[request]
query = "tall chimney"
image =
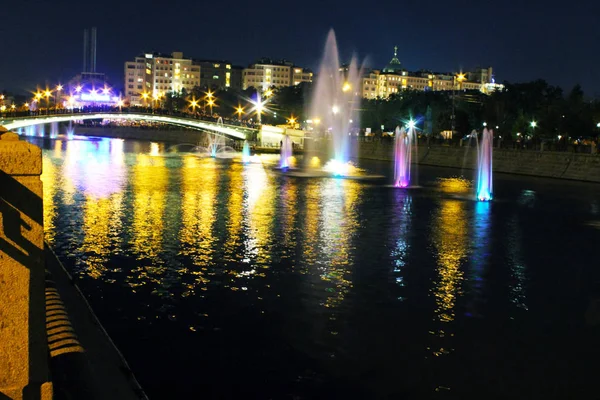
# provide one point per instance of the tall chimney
(85, 50)
(93, 51)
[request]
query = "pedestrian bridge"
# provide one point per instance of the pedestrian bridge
(230, 131)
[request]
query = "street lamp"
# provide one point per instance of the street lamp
(59, 87)
(209, 96)
(268, 93)
(78, 88)
(485, 124)
(47, 93)
(193, 104)
(346, 87)
(335, 110)
(239, 111)
(292, 121)
(145, 97)
(211, 102)
(259, 107)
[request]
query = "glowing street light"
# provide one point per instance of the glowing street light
(485, 124)
(59, 87)
(412, 124)
(239, 111)
(259, 107)
(193, 104)
(533, 124)
(47, 94)
(145, 96)
(78, 88)
(106, 90)
(211, 103)
(268, 93)
(335, 110)
(209, 96)
(598, 125)
(346, 87)
(292, 120)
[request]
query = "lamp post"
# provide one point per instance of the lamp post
(208, 96)
(193, 104)
(59, 87)
(145, 97)
(239, 111)
(47, 93)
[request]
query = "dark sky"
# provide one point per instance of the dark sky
(41, 40)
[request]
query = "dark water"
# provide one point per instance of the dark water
(218, 280)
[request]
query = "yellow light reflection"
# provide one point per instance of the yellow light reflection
(50, 183)
(150, 179)
(260, 206)
(101, 226)
(289, 198)
(450, 238)
(339, 201)
(199, 186)
(235, 210)
(455, 185)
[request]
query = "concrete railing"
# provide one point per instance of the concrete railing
(24, 371)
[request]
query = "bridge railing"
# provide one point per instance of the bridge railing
(200, 116)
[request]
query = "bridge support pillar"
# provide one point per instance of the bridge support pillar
(24, 370)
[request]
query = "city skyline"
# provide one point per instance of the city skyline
(520, 45)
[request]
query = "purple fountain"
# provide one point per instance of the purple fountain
(286, 152)
(403, 155)
(484, 166)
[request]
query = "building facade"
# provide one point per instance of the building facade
(393, 79)
(219, 75)
(267, 73)
(153, 75)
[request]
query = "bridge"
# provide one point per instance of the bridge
(230, 131)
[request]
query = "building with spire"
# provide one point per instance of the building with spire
(393, 79)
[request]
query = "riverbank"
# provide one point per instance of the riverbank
(562, 165)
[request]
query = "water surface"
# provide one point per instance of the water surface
(219, 280)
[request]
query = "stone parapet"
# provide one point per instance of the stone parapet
(23, 346)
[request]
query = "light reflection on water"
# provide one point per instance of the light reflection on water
(400, 253)
(232, 250)
(199, 190)
(450, 238)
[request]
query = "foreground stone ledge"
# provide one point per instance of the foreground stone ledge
(24, 372)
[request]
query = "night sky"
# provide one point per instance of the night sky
(41, 41)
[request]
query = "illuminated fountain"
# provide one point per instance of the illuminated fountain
(70, 131)
(403, 147)
(333, 104)
(246, 152)
(484, 166)
(286, 152)
(53, 130)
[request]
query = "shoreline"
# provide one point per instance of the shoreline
(547, 164)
